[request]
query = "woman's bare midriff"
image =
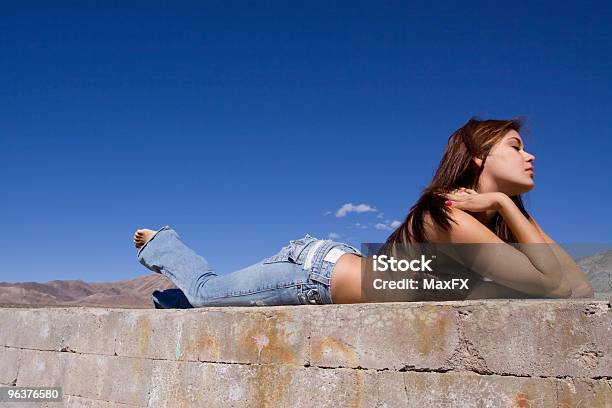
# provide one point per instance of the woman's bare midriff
(346, 279)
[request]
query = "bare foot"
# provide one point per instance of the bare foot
(142, 236)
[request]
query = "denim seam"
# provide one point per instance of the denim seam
(304, 252)
(317, 263)
(206, 299)
(291, 252)
(329, 287)
(321, 268)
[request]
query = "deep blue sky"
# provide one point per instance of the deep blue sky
(241, 125)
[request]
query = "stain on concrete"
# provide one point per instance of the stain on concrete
(334, 351)
(143, 334)
(266, 340)
(432, 327)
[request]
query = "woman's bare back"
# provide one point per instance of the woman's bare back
(347, 275)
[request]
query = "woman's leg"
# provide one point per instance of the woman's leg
(299, 273)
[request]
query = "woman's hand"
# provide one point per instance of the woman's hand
(470, 200)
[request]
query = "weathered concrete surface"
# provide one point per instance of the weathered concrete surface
(494, 353)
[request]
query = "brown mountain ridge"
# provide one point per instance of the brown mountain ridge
(131, 293)
(136, 293)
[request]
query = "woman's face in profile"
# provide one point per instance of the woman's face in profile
(509, 168)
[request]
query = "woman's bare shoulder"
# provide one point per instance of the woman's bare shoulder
(464, 228)
(432, 231)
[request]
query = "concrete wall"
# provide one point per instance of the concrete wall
(495, 353)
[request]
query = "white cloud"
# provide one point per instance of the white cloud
(385, 226)
(380, 215)
(333, 235)
(349, 207)
(327, 213)
(381, 226)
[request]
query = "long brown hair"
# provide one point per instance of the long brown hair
(457, 169)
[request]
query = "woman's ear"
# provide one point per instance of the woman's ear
(477, 160)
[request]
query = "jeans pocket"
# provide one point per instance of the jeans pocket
(290, 253)
(352, 249)
(284, 255)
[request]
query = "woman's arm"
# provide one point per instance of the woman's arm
(532, 269)
(493, 290)
(533, 244)
(580, 284)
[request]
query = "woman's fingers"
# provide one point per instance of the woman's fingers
(465, 190)
(460, 190)
(457, 197)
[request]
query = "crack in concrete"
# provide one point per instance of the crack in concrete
(405, 388)
(465, 356)
(406, 368)
(101, 400)
(18, 367)
(410, 367)
(359, 368)
(308, 351)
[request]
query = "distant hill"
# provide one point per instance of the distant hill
(136, 293)
(598, 268)
(132, 293)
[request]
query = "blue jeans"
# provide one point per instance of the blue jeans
(300, 273)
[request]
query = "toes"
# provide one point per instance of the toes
(141, 236)
(137, 239)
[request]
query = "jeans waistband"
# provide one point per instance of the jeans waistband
(324, 255)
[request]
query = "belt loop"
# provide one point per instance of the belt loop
(316, 274)
(312, 251)
(300, 248)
